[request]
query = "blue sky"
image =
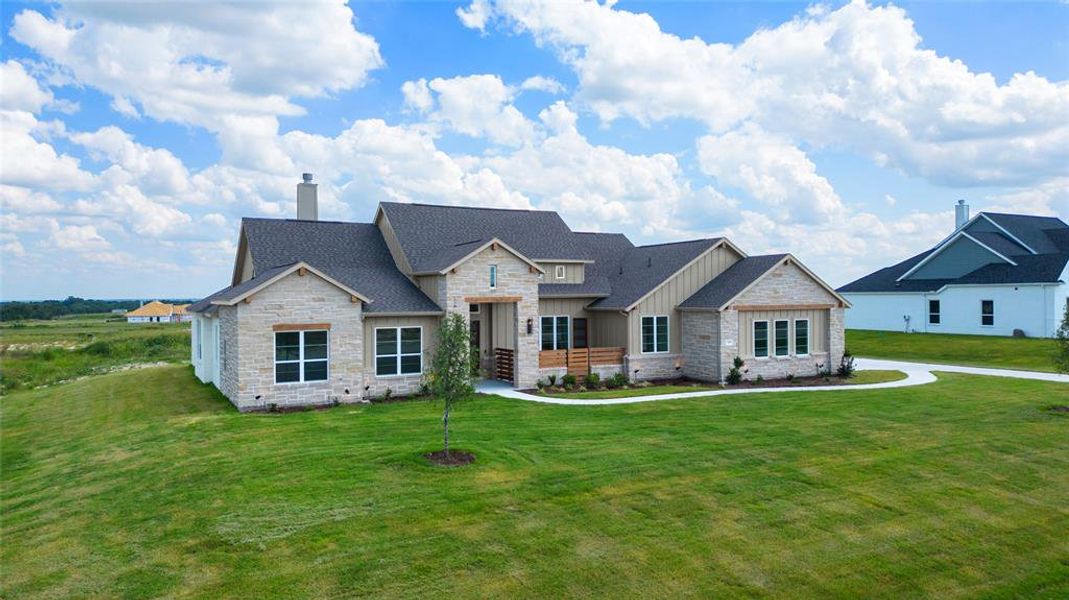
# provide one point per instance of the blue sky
(136, 136)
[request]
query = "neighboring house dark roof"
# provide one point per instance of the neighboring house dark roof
(434, 237)
(641, 269)
(732, 282)
(1048, 236)
(355, 254)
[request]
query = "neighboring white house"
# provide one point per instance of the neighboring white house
(159, 312)
(995, 274)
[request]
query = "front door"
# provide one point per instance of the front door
(579, 333)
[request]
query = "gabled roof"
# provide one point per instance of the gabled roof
(432, 237)
(354, 254)
(732, 282)
(1016, 238)
(463, 252)
(152, 309)
(949, 242)
(642, 269)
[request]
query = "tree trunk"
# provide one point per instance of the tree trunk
(445, 422)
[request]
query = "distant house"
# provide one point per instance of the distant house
(159, 312)
(994, 274)
(320, 312)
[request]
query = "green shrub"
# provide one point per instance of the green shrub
(618, 380)
(552, 380)
(593, 381)
(846, 366)
(734, 376)
(568, 381)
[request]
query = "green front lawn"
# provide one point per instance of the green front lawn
(146, 483)
(859, 378)
(1032, 354)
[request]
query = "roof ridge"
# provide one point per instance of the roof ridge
(290, 220)
(712, 239)
(455, 206)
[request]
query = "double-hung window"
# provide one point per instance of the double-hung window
(987, 313)
(493, 277)
(300, 356)
(654, 334)
(760, 339)
(398, 351)
(933, 312)
(555, 333)
(783, 344)
(801, 337)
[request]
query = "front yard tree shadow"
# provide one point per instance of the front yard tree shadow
(450, 379)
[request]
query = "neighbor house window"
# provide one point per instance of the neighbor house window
(783, 345)
(555, 333)
(559, 271)
(654, 334)
(760, 339)
(933, 312)
(987, 312)
(300, 356)
(801, 337)
(398, 351)
(493, 276)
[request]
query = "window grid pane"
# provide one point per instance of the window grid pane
(801, 337)
(287, 372)
(760, 338)
(315, 370)
(661, 327)
(562, 333)
(987, 312)
(547, 333)
(647, 334)
(410, 340)
(782, 345)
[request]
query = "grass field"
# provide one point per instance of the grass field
(1030, 354)
(146, 483)
(34, 353)
(859, 378)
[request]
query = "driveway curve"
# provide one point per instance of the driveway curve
(916, 374)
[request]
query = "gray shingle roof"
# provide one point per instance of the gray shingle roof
(596, 286)
(434, 237)
(231, 292)
(641, 269)
(1048, 236)
(732, 281)
(355, 254)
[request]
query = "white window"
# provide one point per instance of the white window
(555, 332)
(654, 334)
(559, 272)
(300, 356)
(987, 313)
(933, 312)
(760, 339)
(783, 347)
(801, 337)
(493, 276)
(398, 351)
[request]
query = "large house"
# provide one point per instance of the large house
(158, 312)
(321, 312)
(996, 274)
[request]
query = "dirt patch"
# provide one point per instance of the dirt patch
(455, 458)
(1057, 408)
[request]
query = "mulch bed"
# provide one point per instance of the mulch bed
(456, 458)
(698, 386)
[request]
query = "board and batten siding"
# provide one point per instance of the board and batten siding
(818, 329)
(572, 307)
(608, 330)
(573, 272)
(683, 285)
(503, 329)
(393, 245)
(430, 336)
(429, 285)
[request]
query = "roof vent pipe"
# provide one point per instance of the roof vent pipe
(961, 214)
(307, 199)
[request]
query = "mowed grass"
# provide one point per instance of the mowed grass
(146, 483)
(36, 353)
(859, 378)
(1031, 354)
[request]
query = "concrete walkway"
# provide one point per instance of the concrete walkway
(916, 374)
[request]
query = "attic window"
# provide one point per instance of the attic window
(559, 272)
(493, 277)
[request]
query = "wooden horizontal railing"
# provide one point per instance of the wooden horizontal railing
(504, 363)
(579, 360)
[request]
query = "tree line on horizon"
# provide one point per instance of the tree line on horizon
(51, 309)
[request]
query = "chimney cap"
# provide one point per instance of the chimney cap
(961, 201)
(307, 177)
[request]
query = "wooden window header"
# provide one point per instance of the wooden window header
(300, 326)
(490, 299)
(762, 307)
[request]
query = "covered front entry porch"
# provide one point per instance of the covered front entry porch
(494, 328)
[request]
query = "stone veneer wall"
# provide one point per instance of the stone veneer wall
(229, 352)
(472, 278)
(653, 366)
(294, 299)
(701, 345)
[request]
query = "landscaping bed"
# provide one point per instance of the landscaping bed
(675, 386)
